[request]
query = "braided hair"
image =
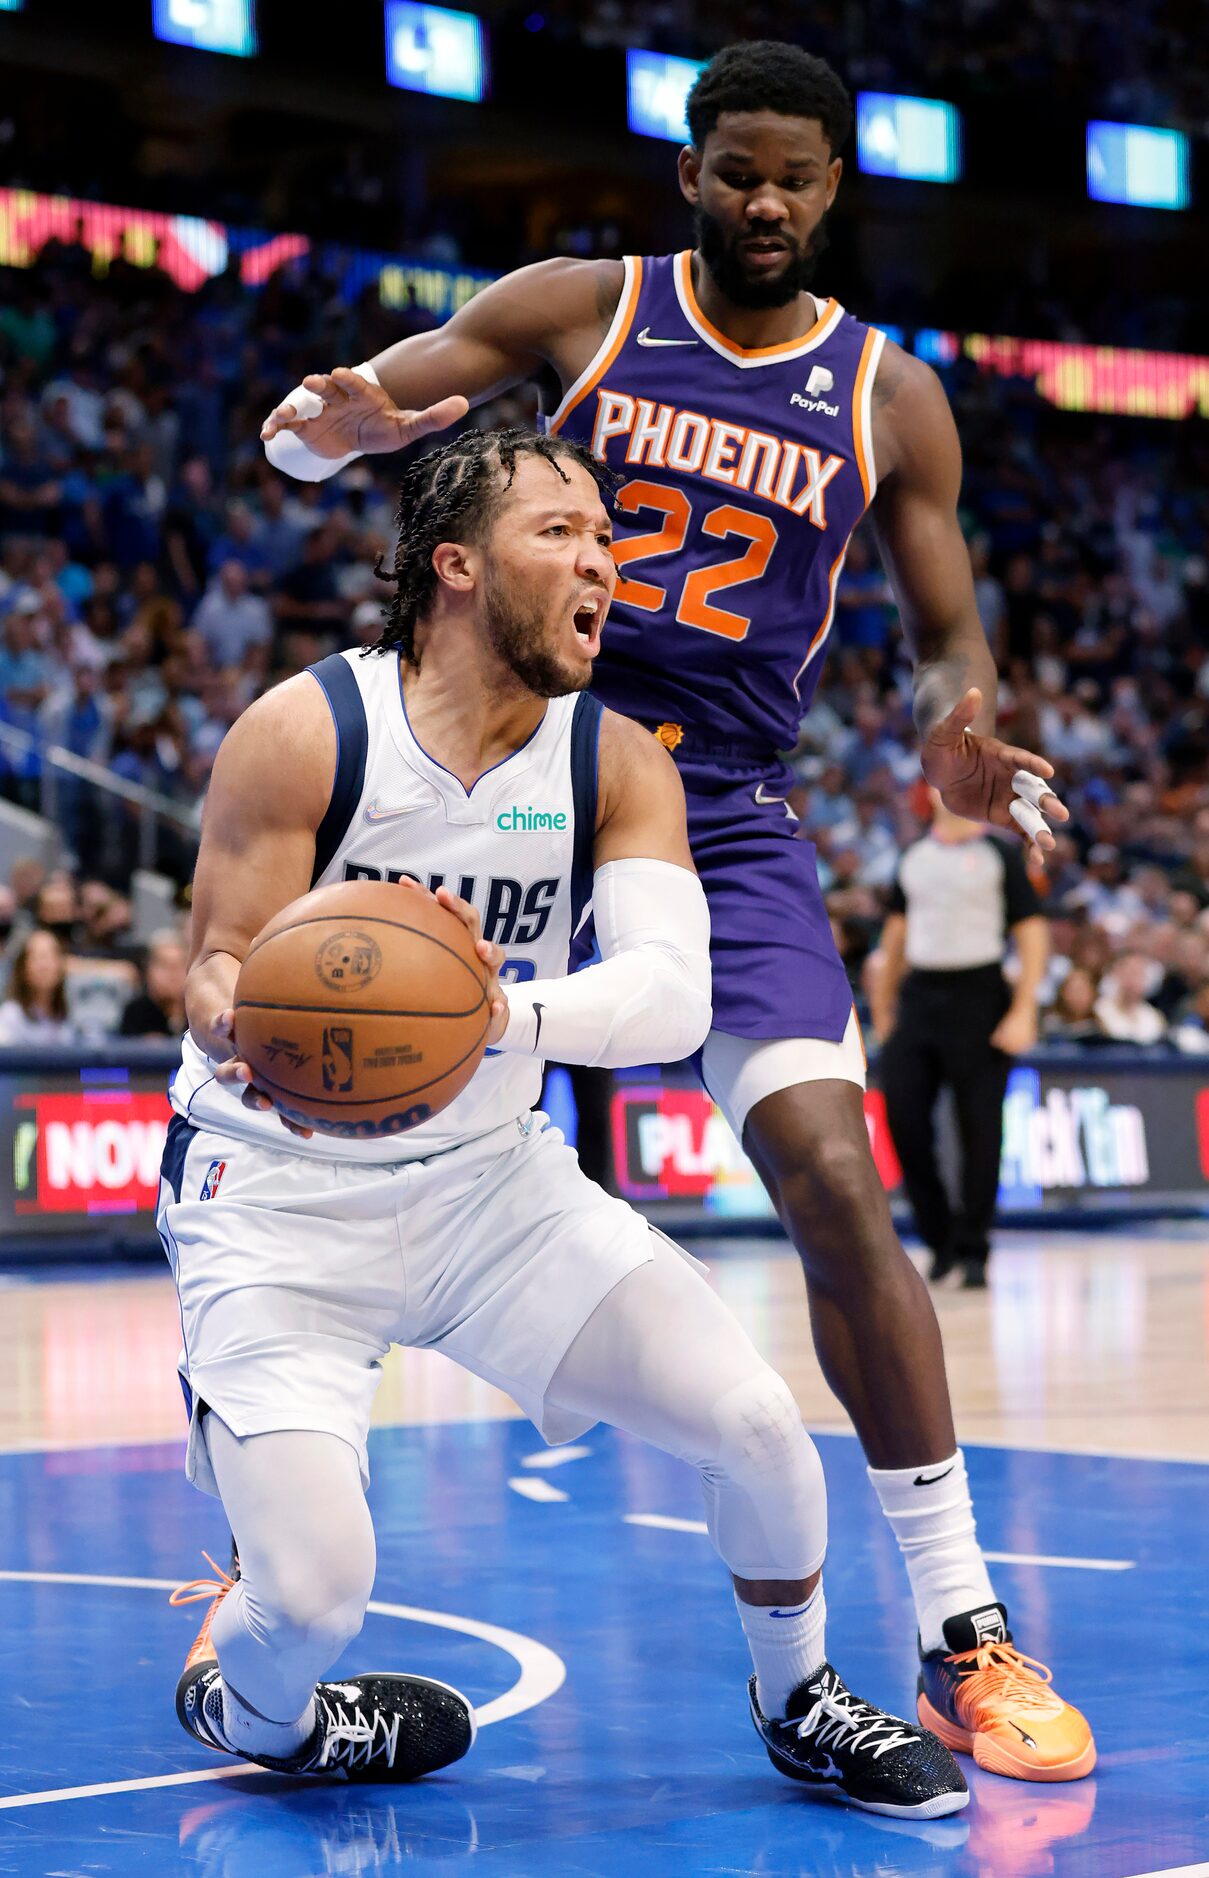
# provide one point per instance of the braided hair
(455, 494)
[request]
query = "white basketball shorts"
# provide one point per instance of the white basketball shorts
(296, 1274)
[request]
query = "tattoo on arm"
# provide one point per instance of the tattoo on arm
(607, 297)
(890, 373)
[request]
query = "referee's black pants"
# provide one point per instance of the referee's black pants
(942, 1038)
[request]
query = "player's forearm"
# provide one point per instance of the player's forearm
(1031, 938)
(209, 991)
(946, 663)
(648, 1001)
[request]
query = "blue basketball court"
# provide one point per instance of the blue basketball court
(573, 1595)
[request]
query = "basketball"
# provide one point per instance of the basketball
(362, 1009)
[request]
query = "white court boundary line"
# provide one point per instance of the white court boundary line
(663, 1522)
(999, 1442)
(543, 1673)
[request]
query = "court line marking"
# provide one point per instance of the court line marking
(538, 1489)
(555, 1457)
(1000, 1442)
(665, 1523)
(1178, 1871)
(543, 1673)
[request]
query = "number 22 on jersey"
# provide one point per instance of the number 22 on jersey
(696, 605)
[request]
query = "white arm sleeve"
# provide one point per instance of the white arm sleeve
(648, 1001)
(286, 451)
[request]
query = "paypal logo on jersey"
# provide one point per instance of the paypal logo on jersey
(517, 820)
(820, 380)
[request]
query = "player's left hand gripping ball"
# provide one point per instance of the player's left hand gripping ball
(987, 780)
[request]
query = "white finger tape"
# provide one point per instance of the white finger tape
(310, 404)
(1028, 819)
(1030, 788)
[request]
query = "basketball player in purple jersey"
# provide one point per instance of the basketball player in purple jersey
(754, 422)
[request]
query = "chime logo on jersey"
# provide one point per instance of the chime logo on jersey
(524, 820)
(214, 1174)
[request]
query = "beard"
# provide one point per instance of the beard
(720, 253)
(516, 632)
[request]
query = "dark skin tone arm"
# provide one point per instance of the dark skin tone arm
(554, 315)
(914, 515)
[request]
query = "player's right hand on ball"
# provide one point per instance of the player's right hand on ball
(491, 955)
(237, 1074)
(357, 415)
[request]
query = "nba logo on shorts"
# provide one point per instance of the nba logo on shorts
(338, 1059)
(214, 1174)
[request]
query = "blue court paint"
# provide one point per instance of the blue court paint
(644, 1761)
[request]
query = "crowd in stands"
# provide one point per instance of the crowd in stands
(156, 575)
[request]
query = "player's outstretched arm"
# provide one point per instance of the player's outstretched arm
(648, 1001)
(554, 312)
(268, 794)
(924, 551)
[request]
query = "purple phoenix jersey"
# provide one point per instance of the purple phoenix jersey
(745, 473)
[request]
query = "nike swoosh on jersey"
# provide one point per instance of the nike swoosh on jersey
(644, 339)
(373, 812)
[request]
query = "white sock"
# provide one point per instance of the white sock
(931, 1516)
(786, 1644)
(250, 1733)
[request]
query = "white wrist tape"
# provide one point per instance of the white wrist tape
(286, 451)
(648, 1001)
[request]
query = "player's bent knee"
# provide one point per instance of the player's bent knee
(760, 1432)
(766, 1499)
(323, 1608)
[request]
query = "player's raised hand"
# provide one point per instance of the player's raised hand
(345, 412)
(237, 1074)
(491, 955)
(989, 781)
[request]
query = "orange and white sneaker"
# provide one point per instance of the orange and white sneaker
(215, 1589)
(983, 1697)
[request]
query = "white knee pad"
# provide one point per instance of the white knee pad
(766, 1499)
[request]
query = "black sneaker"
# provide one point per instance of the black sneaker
(380, 1728)
(846, 1749)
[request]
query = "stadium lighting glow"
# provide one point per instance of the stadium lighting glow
(11, 6)
(1113, 380)
(207, 25)
(657, 88)
(436, 50)
(912, 138)
(1137, 164)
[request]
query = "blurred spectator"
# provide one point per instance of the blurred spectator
(1191, 1031)
(230, 619)
(158, 1010)
(1121, 1008)
(34, 1013)
(1071, 1018)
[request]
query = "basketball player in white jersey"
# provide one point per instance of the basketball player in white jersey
(464, 750)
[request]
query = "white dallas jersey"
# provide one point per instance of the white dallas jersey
(518, 846)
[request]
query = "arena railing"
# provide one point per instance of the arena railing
(66, 791)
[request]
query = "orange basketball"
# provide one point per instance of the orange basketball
(362, 1009)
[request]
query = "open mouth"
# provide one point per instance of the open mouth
(587, 619)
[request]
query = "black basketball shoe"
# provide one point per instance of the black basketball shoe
(845, 1749)
(369, 1728)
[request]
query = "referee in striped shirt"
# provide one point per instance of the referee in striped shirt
(947, 1017)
